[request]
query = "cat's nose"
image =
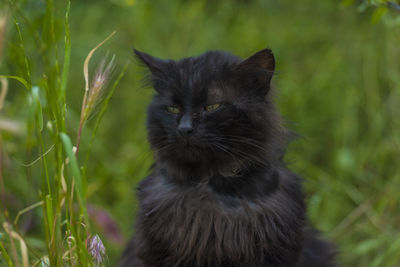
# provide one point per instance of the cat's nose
(185, 126)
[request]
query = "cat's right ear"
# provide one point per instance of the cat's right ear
(256, 72)
(155, 65)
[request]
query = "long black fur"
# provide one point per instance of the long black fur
(219, 194)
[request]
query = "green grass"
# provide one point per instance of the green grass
(338, 86)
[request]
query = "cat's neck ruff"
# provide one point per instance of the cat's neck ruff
(201, 173)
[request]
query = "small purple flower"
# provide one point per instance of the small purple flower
(96, 249)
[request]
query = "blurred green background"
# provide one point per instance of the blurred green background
(338, 86)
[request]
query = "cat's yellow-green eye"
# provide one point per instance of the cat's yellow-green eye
(213, 107)
(174, 110)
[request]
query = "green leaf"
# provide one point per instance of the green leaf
(73, 166)
(21, 80)
(27, 209)
(347, 2)
(49, 212)
(367, 246)
(67, 51)
(378, 14)
(363, 6)
(37, 106)
(26, 60)
(5, 255)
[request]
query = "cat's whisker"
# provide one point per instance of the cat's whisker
(242, 140)
(232, 142)
(226, 150)
(240, 154)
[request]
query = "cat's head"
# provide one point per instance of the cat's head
(212, 110)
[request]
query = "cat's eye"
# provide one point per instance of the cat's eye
(212, 107)
(172, 109)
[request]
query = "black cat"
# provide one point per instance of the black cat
(219, 193)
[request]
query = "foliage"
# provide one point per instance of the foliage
(386, 10)
(62, 188)
(338, 86)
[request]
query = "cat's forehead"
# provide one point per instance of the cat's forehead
(204, 78)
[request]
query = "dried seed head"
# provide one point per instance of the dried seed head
(102, 75)
(98, 86)
(93, 93)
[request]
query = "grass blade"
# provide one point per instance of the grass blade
(5, 255)
(67, 51)
(27, 209)
(37, 106)
(27, 68)
(49, 213)
(21, 80)
(73, 165)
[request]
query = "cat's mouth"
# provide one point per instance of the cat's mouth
(188, 142)
(188, 149)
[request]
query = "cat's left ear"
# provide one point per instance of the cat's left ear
(256, 71)
(156, 66)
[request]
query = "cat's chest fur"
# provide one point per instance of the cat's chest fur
(196, 226)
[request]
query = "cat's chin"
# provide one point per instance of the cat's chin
(184, 151)
(195, 165)
(184, 155)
